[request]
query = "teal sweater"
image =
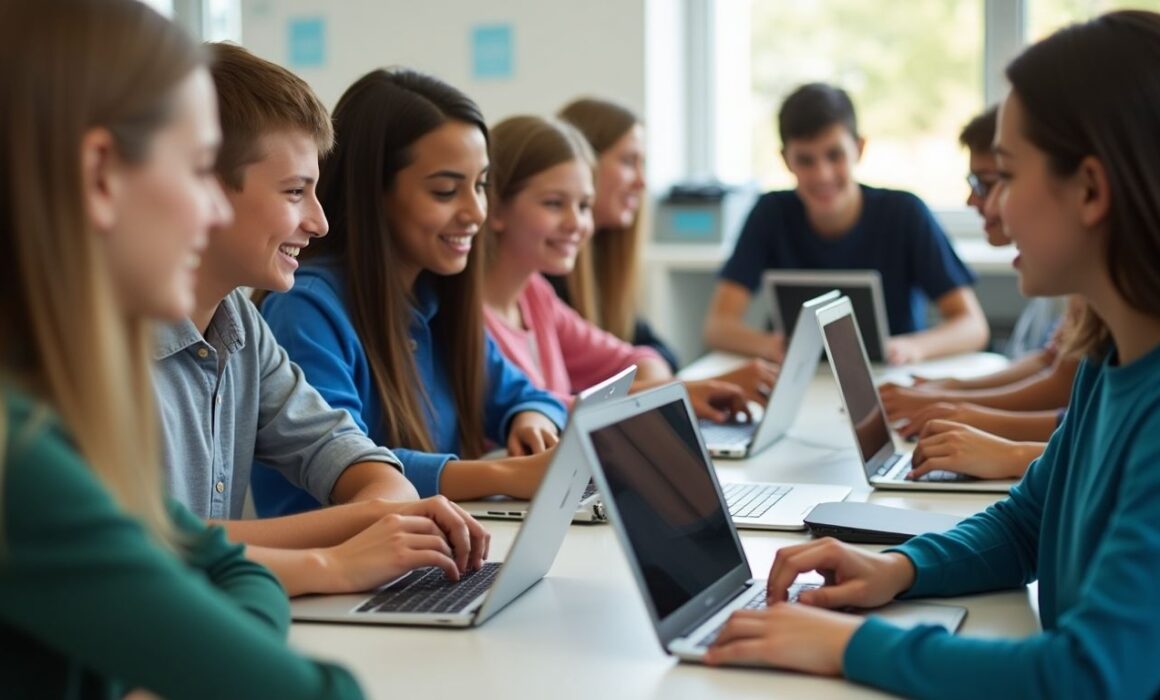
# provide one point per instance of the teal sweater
(90, 607)
(1085, 522)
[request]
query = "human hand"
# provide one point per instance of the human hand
(904, 350)
(941, 410)
(901, 402)
(853, 577)
(795, 637)
(755, 378)
(924, 383)
(519, 477)
(716, 400)
(774, 350)
(392, 545)
(531, 433)
(469, 541)
(965, 449)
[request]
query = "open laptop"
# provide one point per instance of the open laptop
(884, 467)
(658, 422)
(426, 597)
(787, 290)
(591, 508)
(669, 513)
(739, 440)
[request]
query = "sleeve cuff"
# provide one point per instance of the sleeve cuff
(424, 469)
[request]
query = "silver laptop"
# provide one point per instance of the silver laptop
(787, 290)
(426, 597)
(669, 513)
(591, 508)
(884, 467)
(663, 448)
(739, 440)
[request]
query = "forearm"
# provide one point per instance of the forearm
(1032, 426)
(317, 528)
(1040, 392)
(963, 333)
(652, 372)
(1019, 370)
(463, 480)
(366, 481)
(733, 335)
(300, 571)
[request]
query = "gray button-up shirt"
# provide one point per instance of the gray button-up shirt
(233, 397)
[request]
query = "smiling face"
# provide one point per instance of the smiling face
(164, 208)
(1041, 213)
(620, 180)
(823, 165)
(276, 214)
(544, 226)
(438, 202)
(985, 171)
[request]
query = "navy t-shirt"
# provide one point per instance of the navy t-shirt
(896, 234)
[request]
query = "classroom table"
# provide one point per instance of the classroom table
(583, 631)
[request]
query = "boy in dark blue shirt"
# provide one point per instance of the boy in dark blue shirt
(830, 221)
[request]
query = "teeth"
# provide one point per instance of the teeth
(193, 261)
(292, 251)
(458, 240)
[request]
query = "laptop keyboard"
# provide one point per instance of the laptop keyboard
(753, 500)
(936, 475)
(727, 433)
(757, 603)
(428, 590)
(589, 490)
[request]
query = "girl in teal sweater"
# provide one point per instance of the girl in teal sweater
(108, 137)
(1079, 194)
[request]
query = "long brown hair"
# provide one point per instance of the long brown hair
(1092, 89)
(523, 147)
(603, 285)
(69, 67)
(376, 123)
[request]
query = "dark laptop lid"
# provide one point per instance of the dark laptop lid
(666, 505)
(852, 373)
(790, 289)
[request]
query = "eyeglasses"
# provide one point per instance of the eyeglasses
(979, 187)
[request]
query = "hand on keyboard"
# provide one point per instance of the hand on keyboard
(798, 637)
(957, 448)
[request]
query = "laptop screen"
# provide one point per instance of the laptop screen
(857, 387)
(668, 505)
(791, 296)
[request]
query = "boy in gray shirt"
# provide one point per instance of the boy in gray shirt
(228, 394)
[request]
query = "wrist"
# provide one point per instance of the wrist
(322, 571)
(902, 573)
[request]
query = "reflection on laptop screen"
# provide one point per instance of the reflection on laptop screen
(665, 497)
(791, 296)
(857, 387)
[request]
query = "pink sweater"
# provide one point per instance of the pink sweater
(571, 354)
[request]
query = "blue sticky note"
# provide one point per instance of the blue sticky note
(492, 52)
(694, 224)
(306, 40)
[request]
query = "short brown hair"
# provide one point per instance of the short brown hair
(257, 97)
(979, 133)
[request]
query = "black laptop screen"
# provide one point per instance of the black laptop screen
(791, 296)
(857, 387)
(660, 483)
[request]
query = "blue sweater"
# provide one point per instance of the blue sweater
(311, 321)
(1085, 522)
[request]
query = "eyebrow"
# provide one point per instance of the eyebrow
(454, 175)
(294, 179)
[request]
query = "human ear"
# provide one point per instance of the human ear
(859, 147)
(1096, 195)
(100, 177)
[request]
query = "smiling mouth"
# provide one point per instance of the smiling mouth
(291, 250)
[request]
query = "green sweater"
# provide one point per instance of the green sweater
(91, 607)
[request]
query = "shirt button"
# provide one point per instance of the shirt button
(219, 400)
(414, 345)
(221, 487)
(202, 353)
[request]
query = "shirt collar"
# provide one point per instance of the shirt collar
(426, 302)
(226, 324)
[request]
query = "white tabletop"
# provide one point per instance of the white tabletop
(583, 631)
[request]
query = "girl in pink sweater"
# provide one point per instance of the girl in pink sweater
(539, 217)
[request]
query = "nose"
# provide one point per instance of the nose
(977, 202)
(221, 214)
(475, 210)
(315, 223)
(990, 206)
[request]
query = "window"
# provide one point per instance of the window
(914, 71)
(1045, 16)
